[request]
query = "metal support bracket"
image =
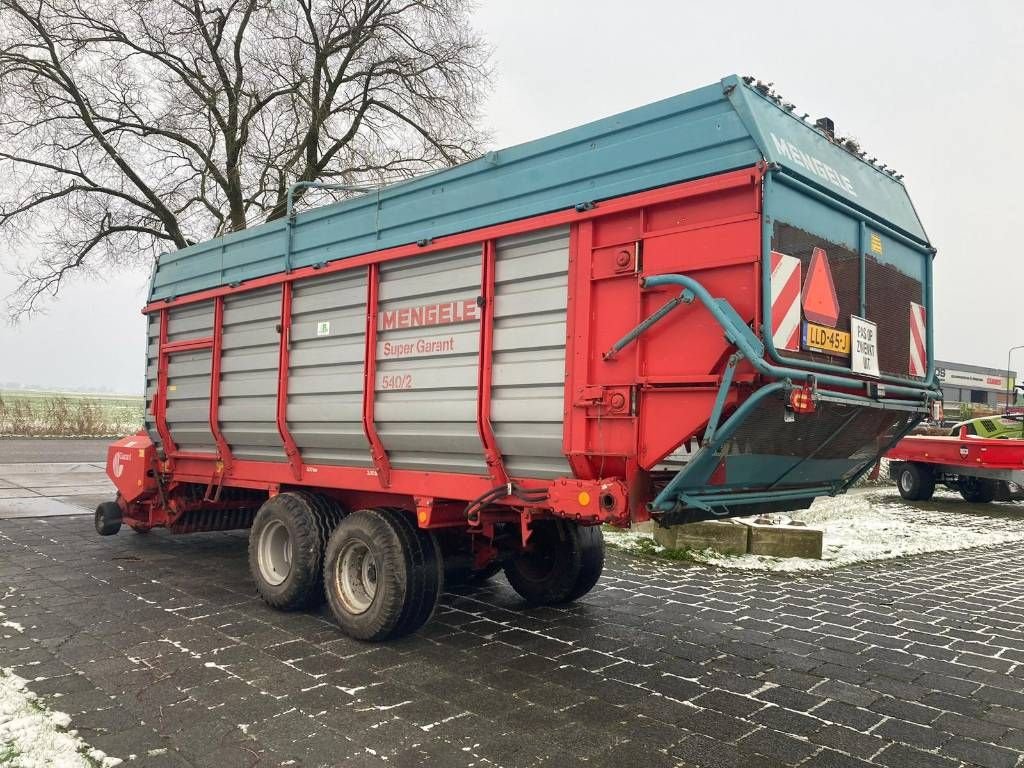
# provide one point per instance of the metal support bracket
(686, 297)
(723, 393)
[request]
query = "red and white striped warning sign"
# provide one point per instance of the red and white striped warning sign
(785, 301)
(918, 356)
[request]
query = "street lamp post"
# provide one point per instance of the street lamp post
(1009, 389)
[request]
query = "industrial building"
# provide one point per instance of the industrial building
(980, 388)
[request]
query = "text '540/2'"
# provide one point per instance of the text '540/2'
(395, 381)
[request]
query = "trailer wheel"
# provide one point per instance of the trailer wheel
(457, 574)
(916, 483)
(592, 560)
(554, 568)
(286, 548)
(108, 518)
(977, 490)
(382, 575)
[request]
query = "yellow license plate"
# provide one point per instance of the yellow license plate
(818, 338)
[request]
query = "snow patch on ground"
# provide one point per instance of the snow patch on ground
(869, 525)
(34, 737)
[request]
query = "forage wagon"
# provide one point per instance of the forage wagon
(701, 308)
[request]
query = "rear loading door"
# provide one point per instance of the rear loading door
(839, 350)
(830, 274)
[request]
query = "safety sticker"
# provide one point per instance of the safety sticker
(918, 354)
(785, 284)
(821, 304)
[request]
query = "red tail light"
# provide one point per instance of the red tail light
(801, 400)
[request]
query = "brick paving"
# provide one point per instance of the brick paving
(158, 648)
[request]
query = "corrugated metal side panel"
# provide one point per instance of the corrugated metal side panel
(193, 321)
(188, 401)
(248, 384)
(152, 342)
(684, 137)
(188, 378)
(425, 390)
(325, 379)
(528, 386)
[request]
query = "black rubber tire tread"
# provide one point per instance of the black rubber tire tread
(591, 540)
(327, 514)
(409, 574)
(107, 518)
(463, 578)
(486, 573)
(303, 588)
(1003, 492)
(979, 490)
(426, 573)
(558, 542)
(920, 481)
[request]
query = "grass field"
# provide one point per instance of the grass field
(31, 413)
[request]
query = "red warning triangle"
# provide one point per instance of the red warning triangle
(821, 305)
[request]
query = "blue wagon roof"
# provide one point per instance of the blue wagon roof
(718, 128)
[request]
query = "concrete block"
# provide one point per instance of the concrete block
(785, 541)
(723, 536)
(647, 526)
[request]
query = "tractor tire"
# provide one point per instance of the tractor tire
(915, 482)
(286, 548)
(108, 518)
(978, 490)
(382, 575)
(554, 568)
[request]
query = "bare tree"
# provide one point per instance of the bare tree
(130, 127)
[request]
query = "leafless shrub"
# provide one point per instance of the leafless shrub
(16, 417)
(68, 416)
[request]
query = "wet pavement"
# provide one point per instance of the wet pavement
(159, 649)
(47, 477)
(161, 653)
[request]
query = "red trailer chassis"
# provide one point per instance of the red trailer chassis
(979, 468)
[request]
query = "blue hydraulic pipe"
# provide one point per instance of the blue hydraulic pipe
(744, 339)
(862, 263)
(723, 393)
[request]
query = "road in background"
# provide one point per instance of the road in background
(47, 477)
(18, 450)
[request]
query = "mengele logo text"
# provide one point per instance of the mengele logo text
(443, 313)
(813, 164)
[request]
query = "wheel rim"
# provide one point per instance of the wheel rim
(355, 574)
(906, 481)
(275, 553)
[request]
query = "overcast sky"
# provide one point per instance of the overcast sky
(935, 89)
